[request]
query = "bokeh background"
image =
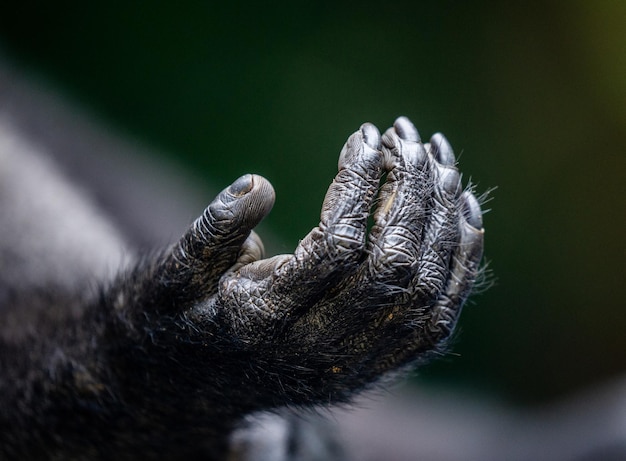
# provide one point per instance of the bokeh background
(532, 95)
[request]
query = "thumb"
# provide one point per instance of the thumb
(214, 241)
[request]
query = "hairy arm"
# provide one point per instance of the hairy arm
(175, 351)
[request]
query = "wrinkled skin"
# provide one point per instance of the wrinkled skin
(180, 347)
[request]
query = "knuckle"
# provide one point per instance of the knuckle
(396, 259)
(430, 280)
(345, 238)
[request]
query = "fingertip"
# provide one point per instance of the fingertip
(246, 201)
(471, 210)
(441, 149)
(371, 135)
(363, 146)
(406, 130)
(402, 141)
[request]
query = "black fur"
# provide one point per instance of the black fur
(166, 359)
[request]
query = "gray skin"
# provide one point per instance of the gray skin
(166, 358)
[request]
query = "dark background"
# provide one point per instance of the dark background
(531, 95)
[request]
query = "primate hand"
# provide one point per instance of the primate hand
(357, 299)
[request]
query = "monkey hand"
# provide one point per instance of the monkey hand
(378, 285)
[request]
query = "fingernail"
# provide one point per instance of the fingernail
(242, 186)
(406, 130)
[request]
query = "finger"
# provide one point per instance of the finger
(338, 243)
(214, 241)
(428, 336)
(430, 275)
(393, 249)
(441, 232)
(463, 270)
(403, 203)
(348, 200)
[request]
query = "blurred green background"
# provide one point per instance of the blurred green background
(532, 95)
